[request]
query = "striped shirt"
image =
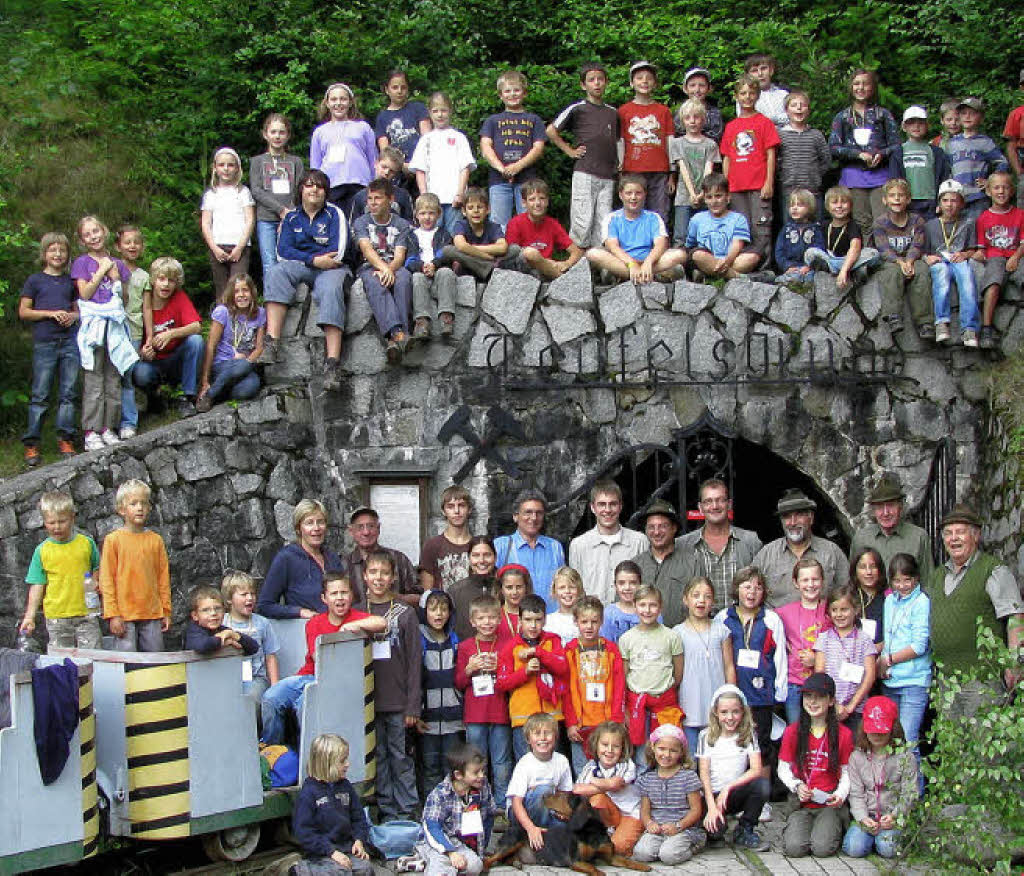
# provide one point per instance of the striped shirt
(838, 650)
(804, 158)
(668, 796)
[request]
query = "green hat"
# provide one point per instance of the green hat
(660, 506)
(887, 489)
(795, 500)
(961, 512)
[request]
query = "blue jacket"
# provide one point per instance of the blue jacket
(328, 817)
(942, 169)
(440, 240)
(302, 239)
(442, 703)
(205, 641)
(295, 575)
(794, 240)
(907, 621)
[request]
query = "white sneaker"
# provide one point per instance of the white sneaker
(109, 437)
(970, 338)
(127, 433)
(766, 812)
(93, 441)
(942, 333)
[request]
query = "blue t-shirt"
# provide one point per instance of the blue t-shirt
(261, 631)
(48, 292)
(716, 233)
(635, 236)
(402, 126)
(513, 135)
(492, 232)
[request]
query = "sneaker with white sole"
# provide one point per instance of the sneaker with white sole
(970, 338)
(942, 333)
(93, 441)
(766, 812)
(109, 437)
(128, 432)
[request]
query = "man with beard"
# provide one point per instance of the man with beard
(364, 527)
(718, 549)
(890, 534)
(596, 553)
(540, 554)
(664, 565)
(776, 559)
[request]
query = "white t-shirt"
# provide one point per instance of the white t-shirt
(531, 773)
(728, 759)
(628, 799)
(424, 239)
(562, 625)
(442, 154)
(227, 208)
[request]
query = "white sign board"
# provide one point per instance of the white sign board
(399, 508)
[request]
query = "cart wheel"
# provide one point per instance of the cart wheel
(234, 844)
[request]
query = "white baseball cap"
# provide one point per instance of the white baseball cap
(915, 112)
(950, 186)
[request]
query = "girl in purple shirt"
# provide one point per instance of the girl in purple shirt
(343, 146)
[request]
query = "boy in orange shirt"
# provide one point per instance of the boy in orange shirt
(532, 669)
(597, 680)
(135, 576)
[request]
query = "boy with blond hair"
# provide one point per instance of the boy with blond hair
(238, 590)
(695, 155)
(57, 577)
(644, 127)
(512, 142)
(135, 575)
(1001, 248)
(427, 263)
(950, 119)
(595, 128)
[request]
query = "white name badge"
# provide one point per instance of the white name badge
(336, 154)
(595, 692)
(381, 650)
(870, 627)
(472, 823)
(862, 136)
(819, 796)
(280, 186)
(246, 670)
(483, 685)
(851, 672)
(749, 658)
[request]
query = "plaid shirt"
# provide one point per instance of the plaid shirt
(442, 817)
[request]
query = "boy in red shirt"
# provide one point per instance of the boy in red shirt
(1013, 132)
(749, 147)
(1001, 242)
(539, 236)
(172, 347)
(336, 593)
(645, 126)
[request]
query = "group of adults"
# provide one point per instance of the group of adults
(971, 583)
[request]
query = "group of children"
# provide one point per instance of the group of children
(629, 700)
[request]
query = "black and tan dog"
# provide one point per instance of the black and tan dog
(575, 839)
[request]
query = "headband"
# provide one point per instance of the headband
(229, 151)
(730, 689)
(334, 85)
(668, 730)
(512, 567)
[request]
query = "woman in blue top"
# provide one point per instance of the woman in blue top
(297, 571)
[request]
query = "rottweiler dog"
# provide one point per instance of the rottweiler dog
(575, 839)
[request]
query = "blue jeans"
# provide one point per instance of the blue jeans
(234, 378)
(129, 410)
(533, 803)
(519, 744)
(266, 237)
(858, 843)
(506, 201)
(282, 697)
(181, 367)
(53, 359)
(451, 216)
(793, 703)
(911, 700)
(681, 222)
(495, 741)
(692, 735)
(963, 274)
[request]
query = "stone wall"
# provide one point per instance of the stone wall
(1002, 493)
(574, 375)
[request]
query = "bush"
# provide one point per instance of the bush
(972, 812)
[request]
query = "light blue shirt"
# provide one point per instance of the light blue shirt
(716, 233)
(541, 560)
(907, 621)
(635, 236)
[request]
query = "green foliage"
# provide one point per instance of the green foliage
(977, 765)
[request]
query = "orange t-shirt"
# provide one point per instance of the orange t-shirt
(135, 577)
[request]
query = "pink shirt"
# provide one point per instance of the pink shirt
(802, 626)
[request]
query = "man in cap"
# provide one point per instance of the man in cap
(663, 565)
(970, 584)
(718, 549)
(364, 527)
(776, 559)
(890, 533)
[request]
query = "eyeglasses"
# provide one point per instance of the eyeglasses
(312, 184)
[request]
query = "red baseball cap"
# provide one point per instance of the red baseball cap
(880, 713)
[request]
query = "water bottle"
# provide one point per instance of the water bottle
(23, 641)
(92, 598)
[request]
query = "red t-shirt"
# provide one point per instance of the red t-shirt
(746, 142)
(487, 709)
(178, 311)
(321, 626)
(645, 129)
(1014, 129)
(546, 236)
(1000, 234)
(814, 772)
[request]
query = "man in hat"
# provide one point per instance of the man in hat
(364, 527)
(890, 534)
(971, 583)
(718, 549)
(597, 552)
(540, 554)
(776, 559)
(663, 565)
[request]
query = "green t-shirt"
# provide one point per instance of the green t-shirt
(649, 654)
(61, 566)
(919, 167)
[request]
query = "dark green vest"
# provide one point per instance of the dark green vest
(954, 617)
